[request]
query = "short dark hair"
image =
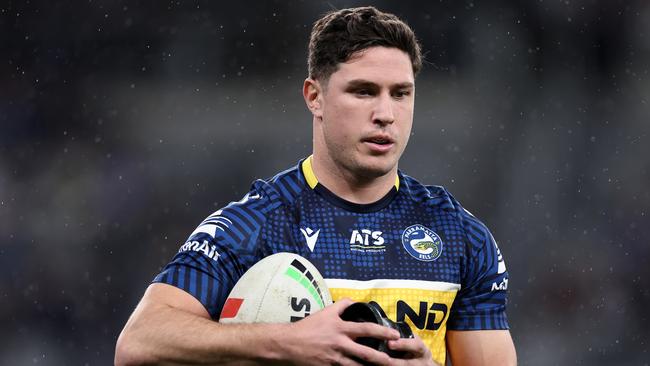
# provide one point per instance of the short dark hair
(338, 35)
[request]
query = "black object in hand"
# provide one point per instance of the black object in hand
(371, 312)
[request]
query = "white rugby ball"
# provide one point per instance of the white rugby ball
(281, 288)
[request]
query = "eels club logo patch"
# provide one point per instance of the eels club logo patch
(422, 243)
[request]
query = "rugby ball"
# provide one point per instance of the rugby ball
(281, 288)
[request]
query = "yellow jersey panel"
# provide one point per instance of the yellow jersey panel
(423, 305)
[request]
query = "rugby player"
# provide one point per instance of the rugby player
(375, 233)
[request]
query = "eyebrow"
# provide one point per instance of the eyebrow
(366, 83)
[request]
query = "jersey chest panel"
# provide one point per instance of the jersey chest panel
(366, 257)
(367, 246)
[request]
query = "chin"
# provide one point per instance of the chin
(375, 169)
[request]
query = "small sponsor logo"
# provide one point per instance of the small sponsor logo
(202, 247)
(503, 285)
(422, 243)
(311, 237)
(365, 240)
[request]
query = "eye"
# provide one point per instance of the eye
(364, 92)
(399, 94)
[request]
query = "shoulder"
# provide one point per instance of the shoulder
(285, 187)
(429, 195)
(439, 198)
(241, 219)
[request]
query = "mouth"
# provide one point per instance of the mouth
(379, 143)
(381, 139)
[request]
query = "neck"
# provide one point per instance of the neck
(350, 186)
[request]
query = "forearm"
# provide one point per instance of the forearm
(171, 327)
(162, 334)
(481, 347)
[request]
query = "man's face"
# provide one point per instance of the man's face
(366, 113)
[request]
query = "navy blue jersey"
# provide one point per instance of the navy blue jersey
(416, 252)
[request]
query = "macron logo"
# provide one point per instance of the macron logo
(310, 236)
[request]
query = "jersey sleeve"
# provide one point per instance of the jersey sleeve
(481, 302)
(218, 252)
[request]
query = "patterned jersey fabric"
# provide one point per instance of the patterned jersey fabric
(416, 252)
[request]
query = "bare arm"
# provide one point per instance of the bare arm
(481, 347)
(170, 326)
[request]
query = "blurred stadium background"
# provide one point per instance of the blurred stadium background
(123, 124)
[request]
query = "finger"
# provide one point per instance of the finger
(366, 355)
(356, 330)
(413, 346)
(341, 305)
(346, 361)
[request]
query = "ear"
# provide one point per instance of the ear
(312, 91)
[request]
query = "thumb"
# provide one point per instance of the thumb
(342, 304)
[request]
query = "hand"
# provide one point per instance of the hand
(417, 352)
(323, 338)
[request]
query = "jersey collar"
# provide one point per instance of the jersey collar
(312, 182)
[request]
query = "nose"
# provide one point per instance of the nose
(383, 111)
